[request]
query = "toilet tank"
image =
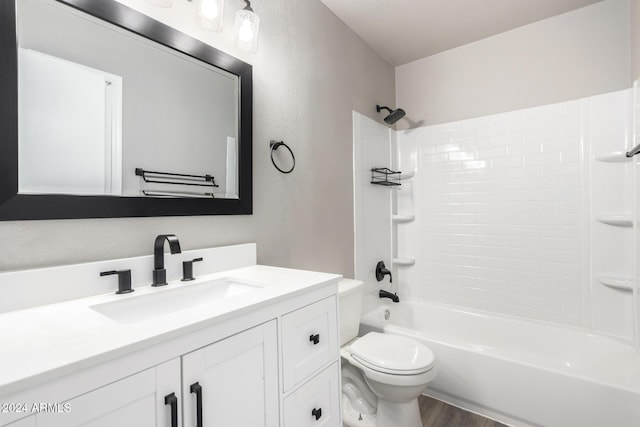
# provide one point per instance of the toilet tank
(350, 306)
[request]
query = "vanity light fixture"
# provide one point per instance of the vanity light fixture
(210, 14)
(247, 28)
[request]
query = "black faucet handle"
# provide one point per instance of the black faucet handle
(187, 269)
(124, 280)
(382, 271)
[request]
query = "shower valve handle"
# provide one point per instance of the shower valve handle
(382, 271)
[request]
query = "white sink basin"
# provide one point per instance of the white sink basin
(165, 301)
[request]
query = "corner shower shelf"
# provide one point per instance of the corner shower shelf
(620, 283)
(614, 157)
(403, 218)
(407, 175)
(404, 261)
(619, 220)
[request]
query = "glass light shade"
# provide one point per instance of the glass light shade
(210, 14)
(247, 28)
(161, 3)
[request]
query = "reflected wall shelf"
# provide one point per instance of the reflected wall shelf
(620, 283)
(620, 220)
(403, 218)
(613, 157)
(404, 261)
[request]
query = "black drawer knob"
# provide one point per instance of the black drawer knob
(317, 413)
(315, 339)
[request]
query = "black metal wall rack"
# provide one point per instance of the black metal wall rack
(176, 178)
(385, 176)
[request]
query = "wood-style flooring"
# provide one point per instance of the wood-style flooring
(435, 413)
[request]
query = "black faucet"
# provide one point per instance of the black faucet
(124, 280)
(387, 294)
(382, 271)
(159, 272)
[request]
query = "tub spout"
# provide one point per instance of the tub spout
(387, 294)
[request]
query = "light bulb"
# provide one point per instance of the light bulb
(245, 32)
(209, 9)
(247, 29)
(210, 13)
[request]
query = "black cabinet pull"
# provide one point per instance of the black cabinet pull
(171, 399)
(315, 339)
(316, 413)
(197, 389)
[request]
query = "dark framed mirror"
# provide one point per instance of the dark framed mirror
(173, 139)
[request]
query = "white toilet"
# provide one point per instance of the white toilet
(382, 374)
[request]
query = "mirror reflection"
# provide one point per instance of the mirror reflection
(105, 112)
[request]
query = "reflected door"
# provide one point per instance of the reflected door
(69, 128)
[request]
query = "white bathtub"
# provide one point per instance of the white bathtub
(522, 373)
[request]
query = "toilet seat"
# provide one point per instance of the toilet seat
(389, 371)
(392, 354)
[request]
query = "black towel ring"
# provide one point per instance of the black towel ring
(274, 146)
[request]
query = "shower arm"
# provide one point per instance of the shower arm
(635, 150)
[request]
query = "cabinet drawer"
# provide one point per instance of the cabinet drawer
(316, 403)
(309, 340)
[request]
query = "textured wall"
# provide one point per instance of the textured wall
(636, 165)
(310, 72)
(574, 55)
(635, 39)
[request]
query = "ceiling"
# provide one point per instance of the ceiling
(402, 31)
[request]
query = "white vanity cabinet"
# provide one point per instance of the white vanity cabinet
(233, 382)
(272, 365)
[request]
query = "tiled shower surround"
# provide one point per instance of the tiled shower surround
(504, 206)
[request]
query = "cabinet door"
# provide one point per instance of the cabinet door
(237, 379)
(138, 400)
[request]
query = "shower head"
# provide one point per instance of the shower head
(394, 115)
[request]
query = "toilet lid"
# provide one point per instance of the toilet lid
(392, 353)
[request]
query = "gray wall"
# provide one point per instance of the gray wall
(577, 54)
(635, 39)
(310, 72)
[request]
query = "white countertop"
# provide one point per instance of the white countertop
(42, 343)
